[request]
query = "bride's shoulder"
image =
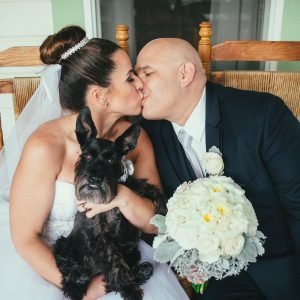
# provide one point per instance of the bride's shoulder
(48, 140)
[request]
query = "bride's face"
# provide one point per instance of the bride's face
(125, 92)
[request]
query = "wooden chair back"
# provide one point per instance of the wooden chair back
(22, 88)
(283, 84)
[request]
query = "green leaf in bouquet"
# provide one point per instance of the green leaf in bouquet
(158, 240)
(159, 222)
(249, 252)
(166, 251)
(224, 263)
(260, 249)
(177, 254)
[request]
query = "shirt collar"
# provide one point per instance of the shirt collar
(195, 124)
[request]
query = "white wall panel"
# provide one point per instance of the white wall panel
(22, 23)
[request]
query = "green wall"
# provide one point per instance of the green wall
(67, 12)
(290, 30)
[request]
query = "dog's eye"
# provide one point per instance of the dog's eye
(108, 156)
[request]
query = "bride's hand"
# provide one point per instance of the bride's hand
(92, 209)
(96, 288)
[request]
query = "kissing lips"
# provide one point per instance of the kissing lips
(144, 100)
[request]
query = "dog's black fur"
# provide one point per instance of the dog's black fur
(106, 244)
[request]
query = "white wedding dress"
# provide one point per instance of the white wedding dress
(19, 282)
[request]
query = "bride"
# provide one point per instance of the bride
(41, 154)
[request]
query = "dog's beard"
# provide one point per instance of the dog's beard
(90, 192)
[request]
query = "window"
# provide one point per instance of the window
(149, 19)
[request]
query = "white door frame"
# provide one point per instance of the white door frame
(272, 26)
(91, 17)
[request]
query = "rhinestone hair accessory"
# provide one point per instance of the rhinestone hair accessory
(73, 49)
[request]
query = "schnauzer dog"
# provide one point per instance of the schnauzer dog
(106, 244)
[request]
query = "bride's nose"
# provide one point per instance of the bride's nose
(138, 83)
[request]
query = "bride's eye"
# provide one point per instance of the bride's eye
(130, 79)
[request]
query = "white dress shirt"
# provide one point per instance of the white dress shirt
(195, 127)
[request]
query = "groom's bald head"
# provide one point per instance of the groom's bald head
(171, 50)
(173, 78)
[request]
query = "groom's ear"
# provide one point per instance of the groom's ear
(186, 73)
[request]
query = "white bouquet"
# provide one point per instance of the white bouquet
(210, 229)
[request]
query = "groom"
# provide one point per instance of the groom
(260, 142)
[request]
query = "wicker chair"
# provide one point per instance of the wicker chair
(20, 88)
(286, 85)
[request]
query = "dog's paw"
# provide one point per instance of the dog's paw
(134, 294)
(143, 272)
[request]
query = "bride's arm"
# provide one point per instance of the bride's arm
(137, 210)
(31, 200)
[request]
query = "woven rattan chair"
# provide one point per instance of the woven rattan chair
(286, 85)
(22, 88)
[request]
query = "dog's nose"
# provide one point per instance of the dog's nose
(93, 180)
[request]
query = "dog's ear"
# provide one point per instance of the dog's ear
(128, 140)
(85, 127)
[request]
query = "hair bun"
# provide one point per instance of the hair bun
(55, 45)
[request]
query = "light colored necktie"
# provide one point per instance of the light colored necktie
(186, 141)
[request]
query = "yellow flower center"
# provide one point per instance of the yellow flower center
(221, 210)
(216, 189)
(207, 217)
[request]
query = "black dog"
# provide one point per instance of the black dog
(106, 244)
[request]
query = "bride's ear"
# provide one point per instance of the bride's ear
(99, 96)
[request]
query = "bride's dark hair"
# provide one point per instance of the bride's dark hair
(91, 64)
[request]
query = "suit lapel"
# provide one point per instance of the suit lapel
(214, 134)
(214, 137)
(176, 154)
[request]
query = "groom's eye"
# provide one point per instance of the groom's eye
(148, 74)
(130, 79)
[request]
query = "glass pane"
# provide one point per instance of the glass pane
(150, 19)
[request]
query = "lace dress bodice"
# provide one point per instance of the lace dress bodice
(62, 215)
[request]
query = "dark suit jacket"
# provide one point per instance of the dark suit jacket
(260, 142)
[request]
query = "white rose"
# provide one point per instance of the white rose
(208, 248)
(223, 224)
(185, 238)
(238, 225)
(233, 246)
(213, 163)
